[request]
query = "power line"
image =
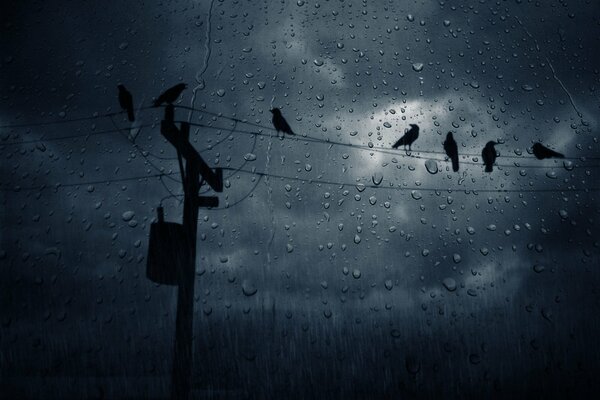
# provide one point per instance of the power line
(244, 121)
(317, 181)
(94, 182)
(220, 115)
(141, 151)
(382, 150)
(66, 121)
(403, 188)
(82, 135)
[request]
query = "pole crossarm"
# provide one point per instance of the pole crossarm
(177, 138)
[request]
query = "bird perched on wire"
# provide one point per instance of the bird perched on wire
(409, 137)
(488, 154)
(451, 149)
(170, 95)
(280, 123)
(540, 152)
(126, 102)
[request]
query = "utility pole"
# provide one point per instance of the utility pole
(195, 168)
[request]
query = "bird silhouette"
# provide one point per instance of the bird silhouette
(488, 154)
(280, 123)
(170, 95)
(451, 150)
(540, 152)
(126, 102)
(409, 137)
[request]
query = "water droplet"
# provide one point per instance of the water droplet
(456, 257)
(318, 63)
(221, 92)
(417, 67)
(248, 288)
(387, 124)
(563, 214)
(377, 178)
(356, 274)
(449, 284)
(389, 284)
(431, 166)
(416, 195)
(128, 215)
(551, 174)
(250, 157)
(412, 365)
(474, 359)
(568, 165)
(538, 268)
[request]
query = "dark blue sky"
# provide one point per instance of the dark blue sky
(426, 284)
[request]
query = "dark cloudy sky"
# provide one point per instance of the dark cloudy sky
(426, 284)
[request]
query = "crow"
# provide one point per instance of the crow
(409, 137)
(170, 95)
(280, 123)
(126, 102)
(540, 152)
(488, 154)
(451, 150)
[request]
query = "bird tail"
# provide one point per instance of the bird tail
(455, 164)
(399, 143)
(559, 155)
(130, 115)
(489, 168)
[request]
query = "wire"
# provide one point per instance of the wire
(85, 135)
(321, 181)
(415, 188)
(237, 120)
(65, 121)
(142, 151)
(228, 206)
(220, 115)
(95, 182)
(384, 151)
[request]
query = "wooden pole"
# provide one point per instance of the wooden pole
(195, 166)
(184, 325)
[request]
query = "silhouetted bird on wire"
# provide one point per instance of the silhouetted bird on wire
(451, 149)
(170, 95)
(126, 102)
(280, 123)
(409, 137)
(488, 154)
(540, 152)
